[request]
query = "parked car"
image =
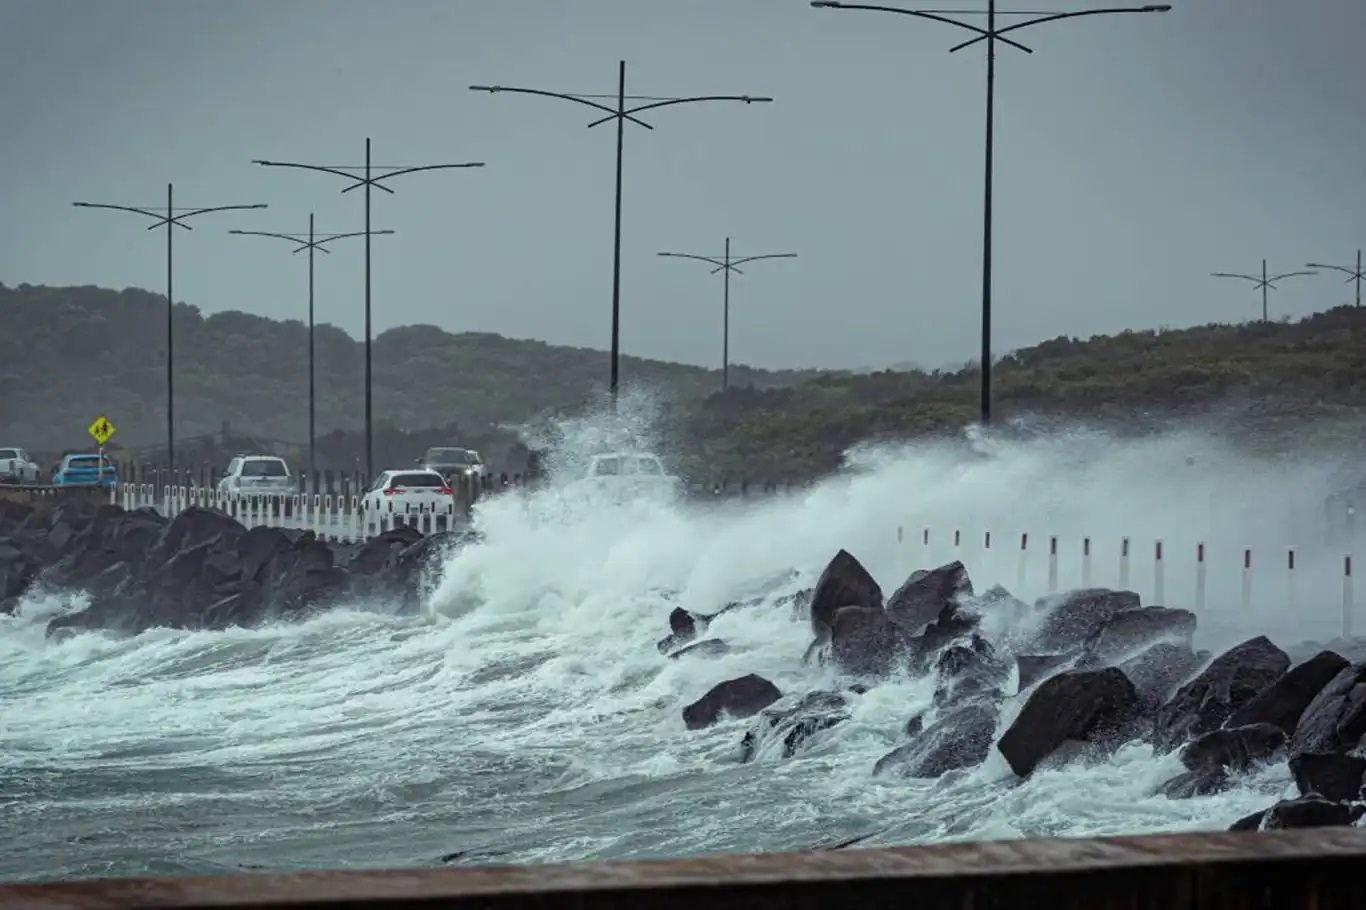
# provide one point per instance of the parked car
(84, 469)
(623, 476)
(452, 463)
(408, 491)
(258, 475)
(17, 467)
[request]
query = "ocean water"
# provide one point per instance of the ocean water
(528, 717)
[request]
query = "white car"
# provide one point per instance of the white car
(419, 490)
(16, 467)
(626, 476)
(258, 475)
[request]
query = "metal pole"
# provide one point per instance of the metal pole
(1358, 278)
(170, 337)
(312, 420)
(1264, 287)
(616, 235)
(986, 215)
(725, 323)
(369, 438)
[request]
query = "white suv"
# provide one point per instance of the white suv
(259, 475)
(15, 467)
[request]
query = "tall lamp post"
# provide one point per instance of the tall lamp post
(1262, 283)
(311, 242)
(991, 34)
(367, 180)
(725, 265)
(1353, 274)
(621, 113)
(168, 218)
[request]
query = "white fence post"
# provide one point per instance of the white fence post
(1247, 579)
(1124, 563)
(1086, 562)
(1024, 562)
(1200, 576)
(1159, 576)
(1053, 564)
(1290, 577)
(1347, 596)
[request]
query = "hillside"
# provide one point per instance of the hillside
(1259, 381)
(68, 354)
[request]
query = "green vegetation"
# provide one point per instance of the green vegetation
(69, 353)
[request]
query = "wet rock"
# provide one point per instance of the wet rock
(1236, 749)
(1160, 670)
(1335, 720)
(411, 571)
(968, 670)
(371, 556)
(1079, 705)
(961, 738)
(1134, 630)
(865, 642)
(1190, 784)
(1309, 812)
(844, 583)
(954, 623)
(1330, 775)
(683, 628)
(1077, 617)
(1285, 700)
(710, 647)
(916, 725)
(1032, 668)
(1251, 822)
(1232, 680)
(742, 697)
(795, 724)
(925, 596)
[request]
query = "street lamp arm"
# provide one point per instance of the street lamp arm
(747, 99)
(325, 170)
(1252, 278)
(375, 181)
(1352, 273)
(159, 216)
(217, 208)
(1151, 8)
(765, 256)
(1288, 275)
(716, 262)
(981, 32)
(561, 95)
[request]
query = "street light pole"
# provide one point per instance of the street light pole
(991, 35)
(725, 265)
(368, 181)
(311, 242)
(1263, 282)
(1354, 274)
(172, 217)
(621, 113)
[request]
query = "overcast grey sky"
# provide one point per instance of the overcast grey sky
(1135, 155)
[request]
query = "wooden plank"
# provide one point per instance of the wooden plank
(1316, 868)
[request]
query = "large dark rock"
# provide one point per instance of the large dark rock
(969, 670)
(1232, 680)
(684, 626)
(1075, 618)
(1284, 701)
(1078, 705)
(1160, 670)
(1032, 668)
(925, 596)
(794, 724)
(1212, 758)
(1330, 775)
(1335, 720)
(742, 697)
(864, 641)
(1309, 812)
(960, 738)
(1133, 630)
(844, 583)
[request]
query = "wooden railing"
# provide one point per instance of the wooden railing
(1315, 868)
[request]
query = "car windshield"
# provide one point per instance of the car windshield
(264, 467)
(416, 480)
(452, 456)
(641, 465)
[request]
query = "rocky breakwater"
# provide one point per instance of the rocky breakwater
(200, 570)
(1074, 676)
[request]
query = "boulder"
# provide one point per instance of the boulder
(844, 583)
(1160, 670)
(1335, 720)
(1032, 668)
(960, 738)
(953, 624)
(1251, 822)
(742, 697)
(1075, 618)
(1079, 705)
(865, 642)
(1232, 680)
(1284, 701)
(925, 596)
(1330, 775)
(709, 647)
(1134, 630)
(969, 670)
(1309, 812)
(795, 724)
(684, 626)
(1211, 758)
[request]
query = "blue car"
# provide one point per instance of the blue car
(84, 470)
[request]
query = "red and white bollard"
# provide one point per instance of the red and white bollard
(1024, 563)
(1347, 596)
(1086, 562)
(1247, 579)
(1200, 576)
(1124, 564)
(1053, 564)
(1159, 576)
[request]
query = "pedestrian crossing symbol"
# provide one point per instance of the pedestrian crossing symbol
(102, 429)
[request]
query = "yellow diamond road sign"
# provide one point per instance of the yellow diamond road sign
(102, 429)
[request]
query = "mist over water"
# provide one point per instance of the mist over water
(529, 717)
